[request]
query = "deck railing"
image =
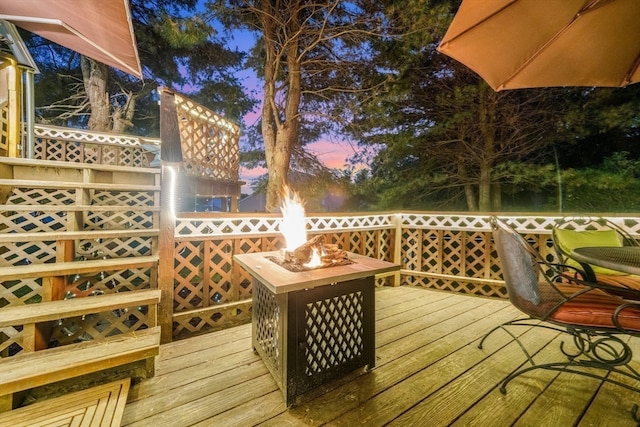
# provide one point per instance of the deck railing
(449, 252)
(82, 146)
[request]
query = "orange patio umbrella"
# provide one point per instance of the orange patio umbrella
(532, 43)
(99, 29)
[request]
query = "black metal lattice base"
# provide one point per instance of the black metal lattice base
(309, 337)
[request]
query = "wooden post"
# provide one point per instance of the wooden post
(169, 130)
(171, 156)
(166, 248)
(397, 249)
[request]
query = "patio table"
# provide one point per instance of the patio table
(620, 258)
(312, 326)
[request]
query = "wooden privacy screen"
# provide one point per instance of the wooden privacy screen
(206, 144)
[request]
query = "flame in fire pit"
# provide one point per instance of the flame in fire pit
(293, 226)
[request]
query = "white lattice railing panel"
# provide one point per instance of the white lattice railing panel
(474, 223)
(364, 222)
(220, 227)
(80, 135)
(223, 226)
(80, 146)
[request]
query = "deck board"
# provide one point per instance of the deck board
(429, 371)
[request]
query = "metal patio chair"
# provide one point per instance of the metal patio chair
(595, 321)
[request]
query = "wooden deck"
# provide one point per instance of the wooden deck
(429, 372)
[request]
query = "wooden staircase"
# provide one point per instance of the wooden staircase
(78, 267)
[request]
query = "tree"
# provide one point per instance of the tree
(177, 48)
(308, 51)
(443, 129)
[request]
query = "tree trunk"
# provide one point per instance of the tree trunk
(471, 198)
(484, 188)
(496, 197)
(270, 121)
(280, 123)
(123, 116)
(469, 191)
(488, 128)
(95, 76)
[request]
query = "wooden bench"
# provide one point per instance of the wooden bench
(36, 366)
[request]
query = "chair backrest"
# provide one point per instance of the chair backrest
(527, 286)
(575, 232)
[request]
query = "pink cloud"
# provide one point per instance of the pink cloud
(331, 154)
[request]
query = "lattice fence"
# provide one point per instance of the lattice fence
(439, 251)
(210, 143)
(218, 292)
(79, 146)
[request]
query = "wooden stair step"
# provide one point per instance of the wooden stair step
(78, 208)
(28, 370)
(77, 235)
(75, 267)
(53, 310)
(16, 161)
(32, 183)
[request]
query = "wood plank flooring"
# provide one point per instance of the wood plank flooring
(429, 372)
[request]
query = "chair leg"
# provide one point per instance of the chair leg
(528, 321)
(605, 352)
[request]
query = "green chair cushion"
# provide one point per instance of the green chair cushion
(568, 240)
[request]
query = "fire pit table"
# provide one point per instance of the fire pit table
(316, 325)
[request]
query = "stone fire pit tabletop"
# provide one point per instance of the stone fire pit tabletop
(280, 280)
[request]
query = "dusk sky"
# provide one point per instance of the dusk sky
(332, 154)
